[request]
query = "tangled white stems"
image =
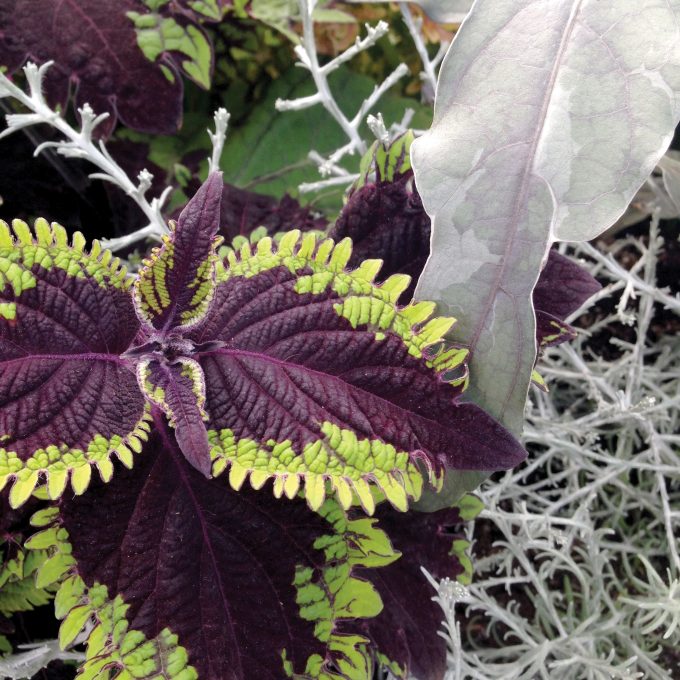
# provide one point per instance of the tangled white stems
(584, 580)
(429, 73)
(79, 144)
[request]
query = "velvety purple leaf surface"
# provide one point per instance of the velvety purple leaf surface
(386, 220)
(214, 565)
(291, 362)
(175, 286)
(181, 385)
(563, 286)
(61, 381)
(243, 211)
(94, 46)
(406, 631)
(551, 331)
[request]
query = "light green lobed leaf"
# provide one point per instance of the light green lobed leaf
(156, 34)
(385, 162)
(339, 595)
(20, 590)
(211, 9)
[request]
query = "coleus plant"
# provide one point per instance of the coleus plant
(277, 365)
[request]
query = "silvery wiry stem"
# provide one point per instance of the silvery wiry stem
(308, 59)
(79, 144)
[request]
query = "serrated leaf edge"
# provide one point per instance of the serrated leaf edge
(364, 303)
(337, 595)
(55, 237)
(58, 465)
(25, 475)
(113, 650)
(151, 297)
(19, 588)
(247, 459)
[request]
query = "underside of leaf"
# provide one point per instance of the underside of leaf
(323, 381)
(67, 401)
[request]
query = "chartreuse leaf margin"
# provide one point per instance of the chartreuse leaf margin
(93, 615)
(275, 365)
(39, 268)
(340, 595)
(112, 649)
(347, 461)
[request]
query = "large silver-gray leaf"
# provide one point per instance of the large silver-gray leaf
(670, 169)
(443, 11)
(549, 116)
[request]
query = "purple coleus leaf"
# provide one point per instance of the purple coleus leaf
(277, 364)
(179, 389)
(562, 287)
(245, 582)
(96, 53)
(244, 211)
(67, 399)
(176, 285)
(197, 558)
(385, 219)
(406, 632)
(318, 378)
